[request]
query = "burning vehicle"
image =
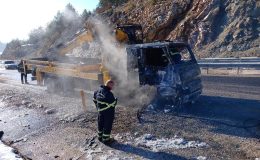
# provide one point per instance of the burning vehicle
(170, 66)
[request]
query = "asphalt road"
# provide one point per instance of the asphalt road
(240, 95)
(13, 75)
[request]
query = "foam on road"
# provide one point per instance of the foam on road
(7, 153)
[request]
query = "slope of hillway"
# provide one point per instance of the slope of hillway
(214, 28)
(223, 124)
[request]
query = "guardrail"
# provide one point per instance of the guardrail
(229, 60)
(235, 64)
(244, 65)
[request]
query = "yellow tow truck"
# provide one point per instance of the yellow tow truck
(60, 75)
(168, 65)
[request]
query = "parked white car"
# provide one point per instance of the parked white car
(8, 64)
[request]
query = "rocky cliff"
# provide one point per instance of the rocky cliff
(214, 28)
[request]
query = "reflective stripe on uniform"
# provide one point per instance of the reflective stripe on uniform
(107, 104)
(106, 137)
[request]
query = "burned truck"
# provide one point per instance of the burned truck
(170, 66)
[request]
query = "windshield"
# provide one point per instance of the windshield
(9, 62)
(161, 57)
(155, 57)
(179, 54)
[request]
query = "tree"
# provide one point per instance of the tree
(63, 20)
(70, 15)
(85, 15)
(70, 8)
(15, 43)
(36, 35)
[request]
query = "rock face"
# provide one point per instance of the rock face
(214, 28)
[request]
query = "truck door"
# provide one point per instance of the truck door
(187, 68)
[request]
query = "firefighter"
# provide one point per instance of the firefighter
(23, 72)
(105, 103)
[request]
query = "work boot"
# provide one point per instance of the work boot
(100, 139)
(100, 133)
(109, 141)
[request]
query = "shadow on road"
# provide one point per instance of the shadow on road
(228, 112)
(145, 153)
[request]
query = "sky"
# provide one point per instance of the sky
(19, 17)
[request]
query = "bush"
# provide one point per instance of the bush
(103, 3)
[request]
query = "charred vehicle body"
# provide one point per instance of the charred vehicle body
(170, 66)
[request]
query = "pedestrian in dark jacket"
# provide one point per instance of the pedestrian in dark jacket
(105, 103)
(1, 134)
(23, 71)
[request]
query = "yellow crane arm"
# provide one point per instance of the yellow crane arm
(76, 42)
(121, 36)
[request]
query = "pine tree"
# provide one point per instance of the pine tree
(69, 7)
(85, 15)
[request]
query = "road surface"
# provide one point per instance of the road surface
(45, 126)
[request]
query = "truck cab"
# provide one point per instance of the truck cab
(170, 66)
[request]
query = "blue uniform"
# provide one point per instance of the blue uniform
(105, 103)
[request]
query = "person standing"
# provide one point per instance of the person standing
(23, 70)
(105, 103)
(1, 134)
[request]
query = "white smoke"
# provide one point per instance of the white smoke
(114, 56)
(115, 60)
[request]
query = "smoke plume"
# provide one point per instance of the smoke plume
(115, 60)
